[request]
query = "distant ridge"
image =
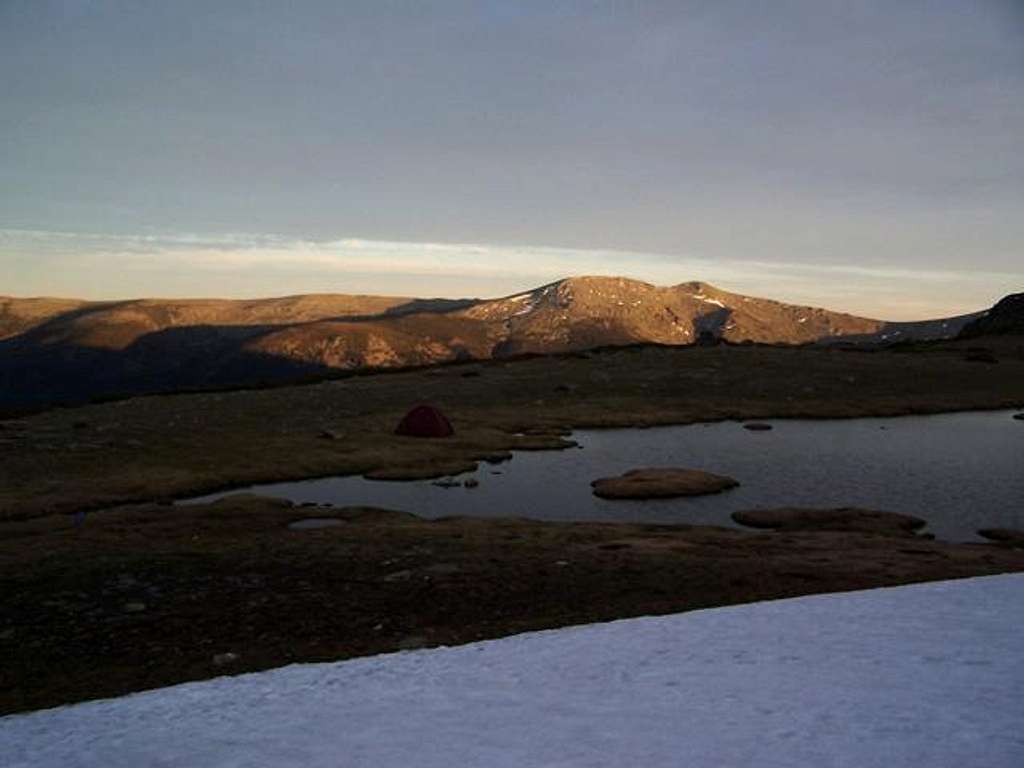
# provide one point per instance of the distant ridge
(1007, 316)
(57, 350)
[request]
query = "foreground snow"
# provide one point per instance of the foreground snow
(929, 675)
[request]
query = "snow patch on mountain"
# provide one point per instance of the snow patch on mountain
(706, 300)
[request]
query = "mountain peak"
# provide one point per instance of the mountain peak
(602, 281)
(698, 286)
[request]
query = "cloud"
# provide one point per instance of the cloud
(223, 264)
(239, 252)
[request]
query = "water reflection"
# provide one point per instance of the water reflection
(960, 471)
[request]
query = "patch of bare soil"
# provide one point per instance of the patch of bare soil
(152, 595)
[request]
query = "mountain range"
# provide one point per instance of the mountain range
(61, 350)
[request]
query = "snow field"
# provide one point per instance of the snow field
(929, 675)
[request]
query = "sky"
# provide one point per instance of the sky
(865, 156)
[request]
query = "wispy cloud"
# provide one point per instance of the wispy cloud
(231, 264)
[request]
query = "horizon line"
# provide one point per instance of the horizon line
(253, 266)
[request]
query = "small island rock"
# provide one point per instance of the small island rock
(661, 483)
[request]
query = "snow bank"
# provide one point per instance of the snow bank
(929, 675)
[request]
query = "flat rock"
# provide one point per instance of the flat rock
(374, 516)
(757, 426)
(1019, 416)
(661, 483)
(1012, 536)
(842, 519)
(426, 470)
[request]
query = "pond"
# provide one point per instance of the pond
(959, 471)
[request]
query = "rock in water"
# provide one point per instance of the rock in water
(757, 426)
(842, 519)
(661, 483)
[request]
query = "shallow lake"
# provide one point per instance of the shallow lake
(959, 471)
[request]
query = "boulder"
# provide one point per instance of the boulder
(661, 483)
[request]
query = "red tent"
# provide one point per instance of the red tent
(425, 421)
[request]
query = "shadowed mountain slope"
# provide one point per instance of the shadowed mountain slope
(1006, 317)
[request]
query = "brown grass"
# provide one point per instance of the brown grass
(158, 448)
(152, 595)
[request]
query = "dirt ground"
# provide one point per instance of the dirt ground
(154, 595)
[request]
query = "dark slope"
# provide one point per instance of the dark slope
(1006, 317)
